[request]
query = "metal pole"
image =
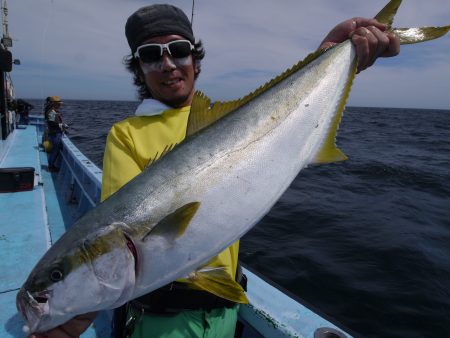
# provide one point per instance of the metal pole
(4, 124)
(192, 14)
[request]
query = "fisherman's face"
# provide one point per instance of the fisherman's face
(170, 80)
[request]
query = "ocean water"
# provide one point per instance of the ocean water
(366, 241)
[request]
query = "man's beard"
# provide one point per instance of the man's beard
(176, 102)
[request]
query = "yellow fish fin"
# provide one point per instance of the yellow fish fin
(167, 148)
(204, 114)
(329, 155)
(217, 281)
(408, 35)
(386, 15)
(175, 224)
(328, 151)
(421, 34)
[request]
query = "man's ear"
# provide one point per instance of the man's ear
(196, 68)
(140, 74)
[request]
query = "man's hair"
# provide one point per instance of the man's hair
(132, 65)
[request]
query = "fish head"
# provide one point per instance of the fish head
(78, 276)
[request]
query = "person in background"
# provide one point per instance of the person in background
(23, 110)
(12, 107)
(54, 130)
(165, 61)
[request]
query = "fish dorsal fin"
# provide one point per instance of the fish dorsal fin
(218, 282)
(175, 224)
(387, 14)
(158, 155)
(204, 114)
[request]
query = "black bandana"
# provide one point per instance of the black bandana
(157, 20)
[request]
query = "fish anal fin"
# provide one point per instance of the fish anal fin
(328, 151)
(218, 282)
(175, 224)
(329, 154)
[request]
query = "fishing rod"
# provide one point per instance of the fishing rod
(192, 13)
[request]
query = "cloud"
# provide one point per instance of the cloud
(75, 48)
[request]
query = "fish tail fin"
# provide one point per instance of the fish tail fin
(408, 35)
(387, 14)
(218, 282)
(420, 34)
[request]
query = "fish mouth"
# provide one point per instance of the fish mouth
(132, 248)
(33, 306)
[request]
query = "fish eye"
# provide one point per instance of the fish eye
(56, 275)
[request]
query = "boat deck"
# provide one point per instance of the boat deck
(30, 222)
(24, 235)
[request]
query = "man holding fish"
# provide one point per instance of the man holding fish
(165, 61)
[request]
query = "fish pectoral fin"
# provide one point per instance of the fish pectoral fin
(175, 224)
(218, 282)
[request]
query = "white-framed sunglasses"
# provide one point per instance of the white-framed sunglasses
(153, 52)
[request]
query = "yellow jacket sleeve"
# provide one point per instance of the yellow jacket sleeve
(119, 164)
(135, 141)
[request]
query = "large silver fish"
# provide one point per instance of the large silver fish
(203, 195)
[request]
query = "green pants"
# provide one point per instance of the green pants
(217, 323)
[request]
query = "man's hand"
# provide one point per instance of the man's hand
(71, 329)
(369, 37)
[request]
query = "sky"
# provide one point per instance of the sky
(75, 49)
